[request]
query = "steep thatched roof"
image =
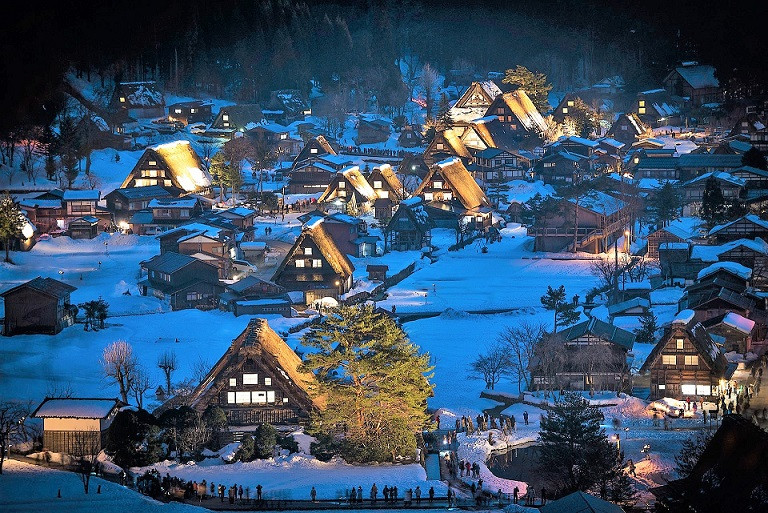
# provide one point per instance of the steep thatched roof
(388, 175)
(183, 162)
(352, 175)
(461, 182)
(328, 248)
(525, 111)
(258, 338)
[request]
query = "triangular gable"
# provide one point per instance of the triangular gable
(463, 186)
(327, 247)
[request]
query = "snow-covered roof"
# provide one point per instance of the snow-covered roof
(581, 140)
(738, 322)
(699, 77)
(749, 217)
(253, 245)
(600, 202)
(718, 175)
(712, 253)
(76, 408)
(525, 111)
(212, 231)
(38, 203)
(684, 317)
(86, 195)
(674, 245)
(173, 203)
(612, 142)
(734, 268)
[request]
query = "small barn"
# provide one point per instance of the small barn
(74, 424)
(41, 305)
(86, 227)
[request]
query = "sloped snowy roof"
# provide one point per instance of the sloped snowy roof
(87, 195)
(172, 203)
(525, 111)
(718, 175)
(712, 253)
(76, 408)
(699, 77)
(734, 268)
(749, 217)
(738, 322)
(600, 203)
(684, 317)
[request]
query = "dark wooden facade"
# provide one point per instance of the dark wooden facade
(315, 266)
(41, 305)
(190, 112)
(410, 228)
(628, 129)
(258, 381)
(686, 362)
(185, 281)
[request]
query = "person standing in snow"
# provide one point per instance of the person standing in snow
(374, 493)
(408, 498)
(313, 494)
(353, 496)
(258, 493)
(431, 494)
(525, 417)
(385, 493)
(418, 496)
(516, 494)
(393, 494)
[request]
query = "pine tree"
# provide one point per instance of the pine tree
(754, 158)
(374, 381)
(443, 119)
(247, 448)
(690, 452)
(622, 491)
(736, 209)
(11, 223)
(565, 312)
(665, 205)
(535, 85)
(648, 326)
(713, 207)
(575, 451)
(264, 441)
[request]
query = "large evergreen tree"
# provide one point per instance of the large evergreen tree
(374, 381)
(535, 84)
(754, 158)
(565, 312)
(665, 205)
(11, 223)
(575, 451)
(648, 326)
(713, 205)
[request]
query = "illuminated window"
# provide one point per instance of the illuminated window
(427, 196)
(703, 390)
(570, 103)
(225, 117)
(259, 397)
(177, 111)
(299, 263)
(152, 162)
(641, 103)
(680, 343)
(226, 124)
(641, 110)
(285, 400)
(122, 99)
(283, 136)
(377, 184)
(691, 359)
(313, 150)
(688, 389)
(440, 146)
(317, 263)
(307, 251)
(230, 397)
(447, 196)
(243, 397)
(192, 111)
(250, 379)
(662, 387)
(270, 396)
(342, 194)
(437, 185)
(342, 185)
(668, 359)
(233, 382)
(267, 381)
(565, 110)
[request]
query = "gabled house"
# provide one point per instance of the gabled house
(735, 331)
(632, 307)
(240, 217)
(389, 191)
(56, 209)
(274, 137)
(254, 296)
(754, 127)
(174, 164)
(237, 118)
(41, 305)
(497, 165)
(310, 178)
(348, 190)
(72, 423)
(125, 202)
(350, 234)
(315, 148)
(757, 179)
(410, 137)
(595, 357)
(474, 102)
(450, 188)
(694, 81)
(562, 168)
(693, 190)
(444, 145)
(518, 115)
(185, 281)
(287, 106)
(315, 266)
(138, 100)
(410, 228)
(593, 223)
(686, 362)
(628, 129)
(258, 381)
(169, 241)
(186, 113)
(656, 107)
(86, 227)
(565, 108)
(746, 227)
(372, 131)
(209, 248)
(164, 214)
(675, 232)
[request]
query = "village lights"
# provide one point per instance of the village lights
(647, 451)
(617, 437)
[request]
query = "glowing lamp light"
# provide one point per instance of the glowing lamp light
(124, 226)
(27, 231)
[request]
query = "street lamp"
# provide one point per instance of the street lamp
(626, 241)
(617, 437)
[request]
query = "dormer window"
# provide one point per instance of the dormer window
(680, 343)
